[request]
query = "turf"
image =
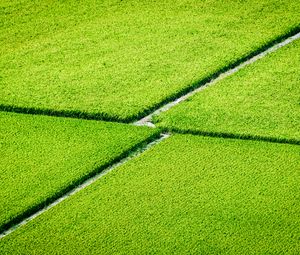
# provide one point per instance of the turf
(43, 157)
(186, 195)
(261, 100)
(116, 60)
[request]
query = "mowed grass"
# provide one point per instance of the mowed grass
(116, 60)
(261, 100)
(43, 157)
(187, 195)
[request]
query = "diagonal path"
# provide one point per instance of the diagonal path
(86, 183)
(147, 121)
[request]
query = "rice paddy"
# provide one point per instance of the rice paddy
(217, 174)
(262, 100)
(221, 196)
(117, 60)
(44, 157)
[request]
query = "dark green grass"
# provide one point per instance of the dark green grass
(118, 60)
(260, 101)
(44, 157)
(187, 195)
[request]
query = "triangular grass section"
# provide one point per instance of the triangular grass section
(44, 157)
(260, 101)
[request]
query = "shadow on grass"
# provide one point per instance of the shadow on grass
(233, 136)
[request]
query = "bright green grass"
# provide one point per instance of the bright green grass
(42, 157)
(261, 100)
(186, 195)
(117, 59)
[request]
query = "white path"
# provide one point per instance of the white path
(147, 121)
(84, 185)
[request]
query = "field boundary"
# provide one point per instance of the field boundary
(80, 184)
(144, 119)
(245, 137)
(60, 113)
(222, 74)
(139, 118)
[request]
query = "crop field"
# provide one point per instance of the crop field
(149, 127)
(239, 197)
(117, 60)
(42, 157)
(262, 100)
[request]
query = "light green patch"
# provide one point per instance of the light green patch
(43, 157)
(186, 195)
(261, 100)
(118, 59)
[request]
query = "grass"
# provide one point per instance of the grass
(44, 157)
(188, 194)
(117, 60)
(260, 101)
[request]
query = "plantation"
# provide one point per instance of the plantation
(116, 60)
(239, 197)
(262, 100)
(218, 82)
(43, 157)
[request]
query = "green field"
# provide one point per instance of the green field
(261, 100)
(219, 173)
(219, 196)
(117, 60)
(43, 157)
